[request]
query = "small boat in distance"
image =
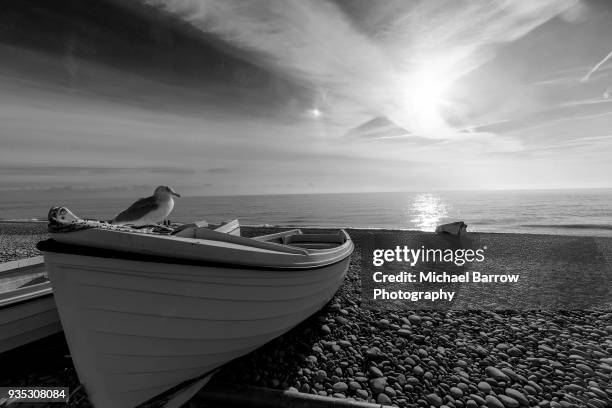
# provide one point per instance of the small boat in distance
(457, 228)
(27, 308)
(146, 311)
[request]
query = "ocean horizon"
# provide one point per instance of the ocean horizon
(584, 212)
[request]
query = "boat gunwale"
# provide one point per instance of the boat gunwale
(51, 245)
(41, 293)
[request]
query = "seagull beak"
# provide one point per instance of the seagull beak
(175, 193)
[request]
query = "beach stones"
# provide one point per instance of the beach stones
(479, 400)
(471, 404)
(492, 402)
(374, 353)
(354, 385)
(320, 376)
(512, 375)
(508, 401)
(404, 333)
(484, 387)
(517, 395)
(584, 368)
(363, 394)
(383, 399)
(434, 399)
(375, 372)
(378, 385)
(432, 358)
(335, 307)
(496, 374)
(414, 319)
(340, 387)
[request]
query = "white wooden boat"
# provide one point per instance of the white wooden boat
(145, 312)
(27, 308)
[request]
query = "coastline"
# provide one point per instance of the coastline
(408, 358)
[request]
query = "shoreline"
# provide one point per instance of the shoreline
(410, 358)
(351, 228)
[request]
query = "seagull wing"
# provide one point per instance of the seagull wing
(138, 210)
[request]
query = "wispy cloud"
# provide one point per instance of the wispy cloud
(63, 170)
(397, 70)
(596, 67)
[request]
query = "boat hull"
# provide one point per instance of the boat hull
(27, 308)
(136, 329)
(26, 322)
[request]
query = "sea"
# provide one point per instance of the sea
(558, 212)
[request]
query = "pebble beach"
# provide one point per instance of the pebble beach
(406, 358)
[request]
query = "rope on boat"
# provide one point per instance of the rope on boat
(61, 219)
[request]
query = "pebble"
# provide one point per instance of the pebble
(404, 333)
(546, 349)
(434, 400)
(512, 375)
(342, 320)
(484, 387)
(374, 353)
(354, 386)
(320, 376)
(493, 402)
(496, 374)
(517, 395)
(377, 385)
(508, 401)
(375, 372)
(340, 387)
(362, 394)
(414, 319)
(479, 400)
(383, 399)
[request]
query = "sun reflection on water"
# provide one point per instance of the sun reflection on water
(427, 210)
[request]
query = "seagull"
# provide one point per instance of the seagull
(149, 210)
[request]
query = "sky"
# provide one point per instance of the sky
(223, 97)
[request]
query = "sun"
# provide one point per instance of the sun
(315, 113)
(428, 89)
(426, 93)
(422, 95)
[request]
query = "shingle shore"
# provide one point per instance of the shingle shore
(406, 358)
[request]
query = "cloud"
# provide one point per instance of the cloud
(596, 67)
(64, 170)
(380, 70)
(218, 170)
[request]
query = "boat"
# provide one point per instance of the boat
(457, 228)
(27, 308)
(145, 311)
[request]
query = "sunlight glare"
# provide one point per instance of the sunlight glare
(315, 113)
(423, 94)
(427, 211)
